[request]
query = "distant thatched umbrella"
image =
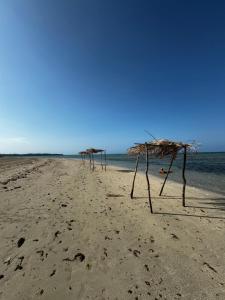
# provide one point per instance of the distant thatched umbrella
(159, 148)
(93, 151)
(83, 155)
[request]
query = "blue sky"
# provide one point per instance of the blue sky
(81, 73)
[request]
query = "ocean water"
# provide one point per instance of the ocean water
(203, 170)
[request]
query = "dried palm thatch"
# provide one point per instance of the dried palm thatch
(94, 151)
(83, 155)
(83, 152)
(159, 148)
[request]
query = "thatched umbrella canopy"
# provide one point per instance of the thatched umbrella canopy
(94, 151)
(83, 152)
(159, 148)
(83, 155)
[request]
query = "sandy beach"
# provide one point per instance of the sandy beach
(69, 233)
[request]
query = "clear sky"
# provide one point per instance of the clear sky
(81, 73)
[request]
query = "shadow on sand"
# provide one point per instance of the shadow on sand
(188, 215)
(125, 171)
(215, 203)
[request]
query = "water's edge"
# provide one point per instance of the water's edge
(204, 170)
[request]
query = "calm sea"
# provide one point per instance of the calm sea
(203, 170)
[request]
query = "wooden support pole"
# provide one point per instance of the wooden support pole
(136, 167)
(148, 183)
(93, 162)
(105, 158)
(101, 161)
(90, 160)
(183, 174)
(171, 163)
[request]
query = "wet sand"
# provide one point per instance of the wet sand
(68, 233)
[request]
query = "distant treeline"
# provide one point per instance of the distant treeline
(32, 154)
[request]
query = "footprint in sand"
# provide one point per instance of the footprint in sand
(152, 240)
(146, 267)
(178, 295)
(19, 266)
(57, 233)
(105, 252)
(136, 253)
(41, 252)
(174, 236)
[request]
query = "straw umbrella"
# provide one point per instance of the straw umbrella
(93, 151)
(159, 148)
(83, 155)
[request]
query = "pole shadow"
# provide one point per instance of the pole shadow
(188, 215)
(211, 201)
(206, 207)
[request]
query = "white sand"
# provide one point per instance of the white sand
(86, 239)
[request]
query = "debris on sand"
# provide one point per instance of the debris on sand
(174, 236)
(20, 242)
(53, 273)
(57, 233)
(113, 195)
(136, 253)
(19, 266)
(78, 256)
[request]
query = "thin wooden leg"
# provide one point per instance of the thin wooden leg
(148, 183)
(101, 161)
(171, 163)
(90, 160)
(183, 174)
(93, 161)
(136, 167)
(105, 159)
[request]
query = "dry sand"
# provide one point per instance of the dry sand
(68, 233)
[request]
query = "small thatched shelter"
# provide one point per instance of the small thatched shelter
(90, 152)
(83, 155)
(159, 148)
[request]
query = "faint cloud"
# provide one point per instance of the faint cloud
(14, 140)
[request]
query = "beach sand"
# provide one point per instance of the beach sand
(68, 233)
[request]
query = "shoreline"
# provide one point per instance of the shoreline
(222, 194)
